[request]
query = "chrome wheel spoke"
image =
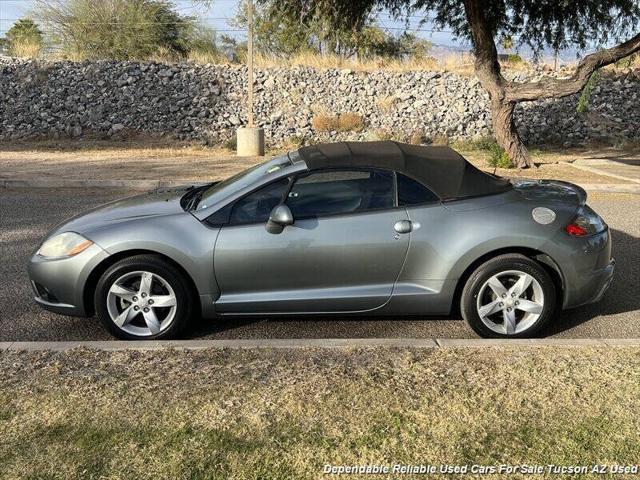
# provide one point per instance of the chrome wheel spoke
(151, 320)
(510, 302)
(490, 308)
(145, 283)
(529, 306)
(122, 292)
(521, 285)
(125, 317)
(509, 317)
(134, 308)
(496, 285)
(163, 301)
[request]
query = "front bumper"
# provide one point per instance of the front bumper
(59, 285)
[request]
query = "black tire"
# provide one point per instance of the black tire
(503, 263)
(157, 266)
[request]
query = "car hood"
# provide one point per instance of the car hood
(155, 203)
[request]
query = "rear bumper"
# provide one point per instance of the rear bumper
(588, 271)
(595, 289)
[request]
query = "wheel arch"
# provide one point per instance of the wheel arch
(96, 273)
(542, 258)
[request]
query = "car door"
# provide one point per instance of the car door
(343, 252)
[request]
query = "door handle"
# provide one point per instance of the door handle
(403, 226)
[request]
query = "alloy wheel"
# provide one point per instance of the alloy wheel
(141, 303)
(510, 302)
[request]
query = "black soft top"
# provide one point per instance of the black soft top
(440, 168)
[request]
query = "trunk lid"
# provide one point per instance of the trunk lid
(551, 191)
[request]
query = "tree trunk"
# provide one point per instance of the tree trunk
(506, 133)
(505, 95)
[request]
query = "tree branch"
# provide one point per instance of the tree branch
(487, 67)
(557, 88)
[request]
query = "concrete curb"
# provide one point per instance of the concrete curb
(592, 166)
(319, 343)
(152, 184)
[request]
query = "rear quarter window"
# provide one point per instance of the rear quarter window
(412, 192)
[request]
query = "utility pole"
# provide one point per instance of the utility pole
(250, 61)
(249, 139)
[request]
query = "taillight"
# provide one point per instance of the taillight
(587, 222)
(575, 229)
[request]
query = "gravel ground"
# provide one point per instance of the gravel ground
(26, 216)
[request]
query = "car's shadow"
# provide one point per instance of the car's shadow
(623, 296)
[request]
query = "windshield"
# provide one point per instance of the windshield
(221, 190)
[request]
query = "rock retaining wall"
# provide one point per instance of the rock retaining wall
(207, 102)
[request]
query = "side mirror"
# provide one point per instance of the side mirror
(279, 218)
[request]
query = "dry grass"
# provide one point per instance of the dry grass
(285, 414)
(345, 122)
(440, 139)
(26, 49)
(461, 63)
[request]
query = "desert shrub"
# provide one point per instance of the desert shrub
(350, 122)
(382, 134)
(231, 143)
(120, 29)
(324, 123)
(440, 139)
(485, 144)
(418, 137)
(24, 39)
(346, 122)
(293, 142)
(498, 157)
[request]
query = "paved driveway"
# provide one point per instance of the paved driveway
(26, 215)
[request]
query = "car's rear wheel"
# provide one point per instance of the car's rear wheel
(509, 296)
(143, 297)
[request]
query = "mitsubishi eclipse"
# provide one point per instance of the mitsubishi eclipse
(372, 228)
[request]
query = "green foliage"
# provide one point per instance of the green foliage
(24, 34)
(585, 96)
(515, 58)
(499, 157)
(278, 32)
(230, 143)
(485, 144)
(555, 23)
(121, 29)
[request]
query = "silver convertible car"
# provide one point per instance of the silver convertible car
(373, 228)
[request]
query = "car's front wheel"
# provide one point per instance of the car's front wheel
(509, 296)
(143, 297)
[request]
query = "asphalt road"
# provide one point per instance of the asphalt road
(27, 215)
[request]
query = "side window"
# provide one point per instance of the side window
(412, 192)
(256, 207)
(332, 192)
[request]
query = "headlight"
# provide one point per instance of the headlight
(63, 245)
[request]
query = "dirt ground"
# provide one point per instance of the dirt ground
(165, 160)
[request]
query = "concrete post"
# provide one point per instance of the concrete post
(250, 142)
